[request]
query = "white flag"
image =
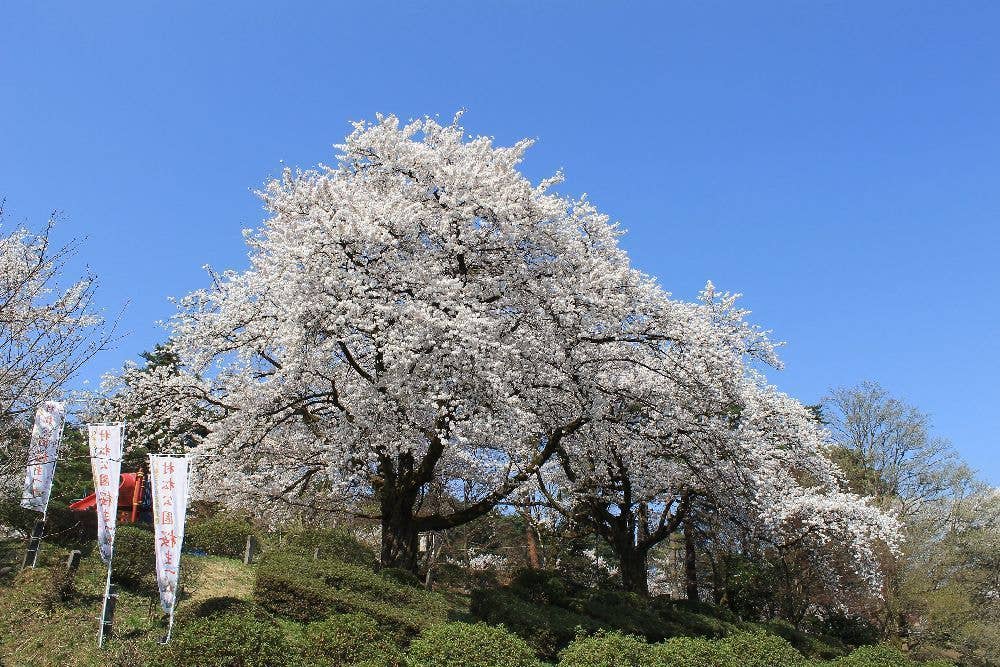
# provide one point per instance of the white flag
(42, 453)
(169, 476)
(106, 462)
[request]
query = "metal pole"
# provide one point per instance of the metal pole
(107, 615)
(34, 544)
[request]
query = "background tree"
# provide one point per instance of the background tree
(48, 331)
(887, 451)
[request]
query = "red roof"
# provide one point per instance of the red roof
(125, 492)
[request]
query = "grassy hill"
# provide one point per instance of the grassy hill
(339, 610)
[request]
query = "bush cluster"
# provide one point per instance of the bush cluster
(762, 649)
(546, 628)
(333, 544)
(614, 649)
(304, 590)
(882, 655)
(219, 535)
(135, 557)
(228, 638)
(694, 652)
(607, 649)
(469, 645)
(350, 639)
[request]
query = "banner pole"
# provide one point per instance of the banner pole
(104, 609)
(170, 626)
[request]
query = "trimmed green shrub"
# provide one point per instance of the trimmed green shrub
(218, 605)
(543, 587)
(218, 535)
(350, 639)
(306, 590)
(682, 618)
(135, 557)
(469, 645)
(810, 645)
(333, 543)
(607, 649)
(237, 639)
(761, 649)
(880, 655)
(400, 576)
(546, 629)
(626, 612)
(693, 652)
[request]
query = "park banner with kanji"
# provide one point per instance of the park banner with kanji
(42, 454)
(106, 462)
(169, 475)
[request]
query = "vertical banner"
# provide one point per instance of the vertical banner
(169, 478)
(42, 453)
(106, 462)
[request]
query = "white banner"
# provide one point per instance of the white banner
(169, 476)
(106, 463)
(42, 453)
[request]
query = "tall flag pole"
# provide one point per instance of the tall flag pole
(169, 478)
(106, 463)
(43, 452)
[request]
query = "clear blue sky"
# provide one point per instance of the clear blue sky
(838, 163)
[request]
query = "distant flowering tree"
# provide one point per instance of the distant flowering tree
(719, 439)
(48, 330)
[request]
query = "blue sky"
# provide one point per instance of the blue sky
(838, 163)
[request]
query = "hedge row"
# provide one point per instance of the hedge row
(304, 590)
(225, 631)
(744, 649)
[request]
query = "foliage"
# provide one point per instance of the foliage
(134, 564)
(247, 640)
(881, 655)
(607, 649)
(218, 535)
(349, 639)
(49, 330)
(760, 649)
(306, 590)
(217, 605)
(332, 543)
(693, 652)
(400, 576)
(469, 645)
(546, 629)
(543, 587)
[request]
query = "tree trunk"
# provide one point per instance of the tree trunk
(632, 563)
(690, 563)
(529, 538)
(399, 530)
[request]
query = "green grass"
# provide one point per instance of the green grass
(34, 633)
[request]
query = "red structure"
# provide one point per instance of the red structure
(129, 498)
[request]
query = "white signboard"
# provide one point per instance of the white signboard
(169, 476)
(42, 453)
(106, 463)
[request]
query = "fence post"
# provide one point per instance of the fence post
(250, 551)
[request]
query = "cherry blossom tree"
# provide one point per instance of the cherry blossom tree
(418, 315)
(718, 437)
